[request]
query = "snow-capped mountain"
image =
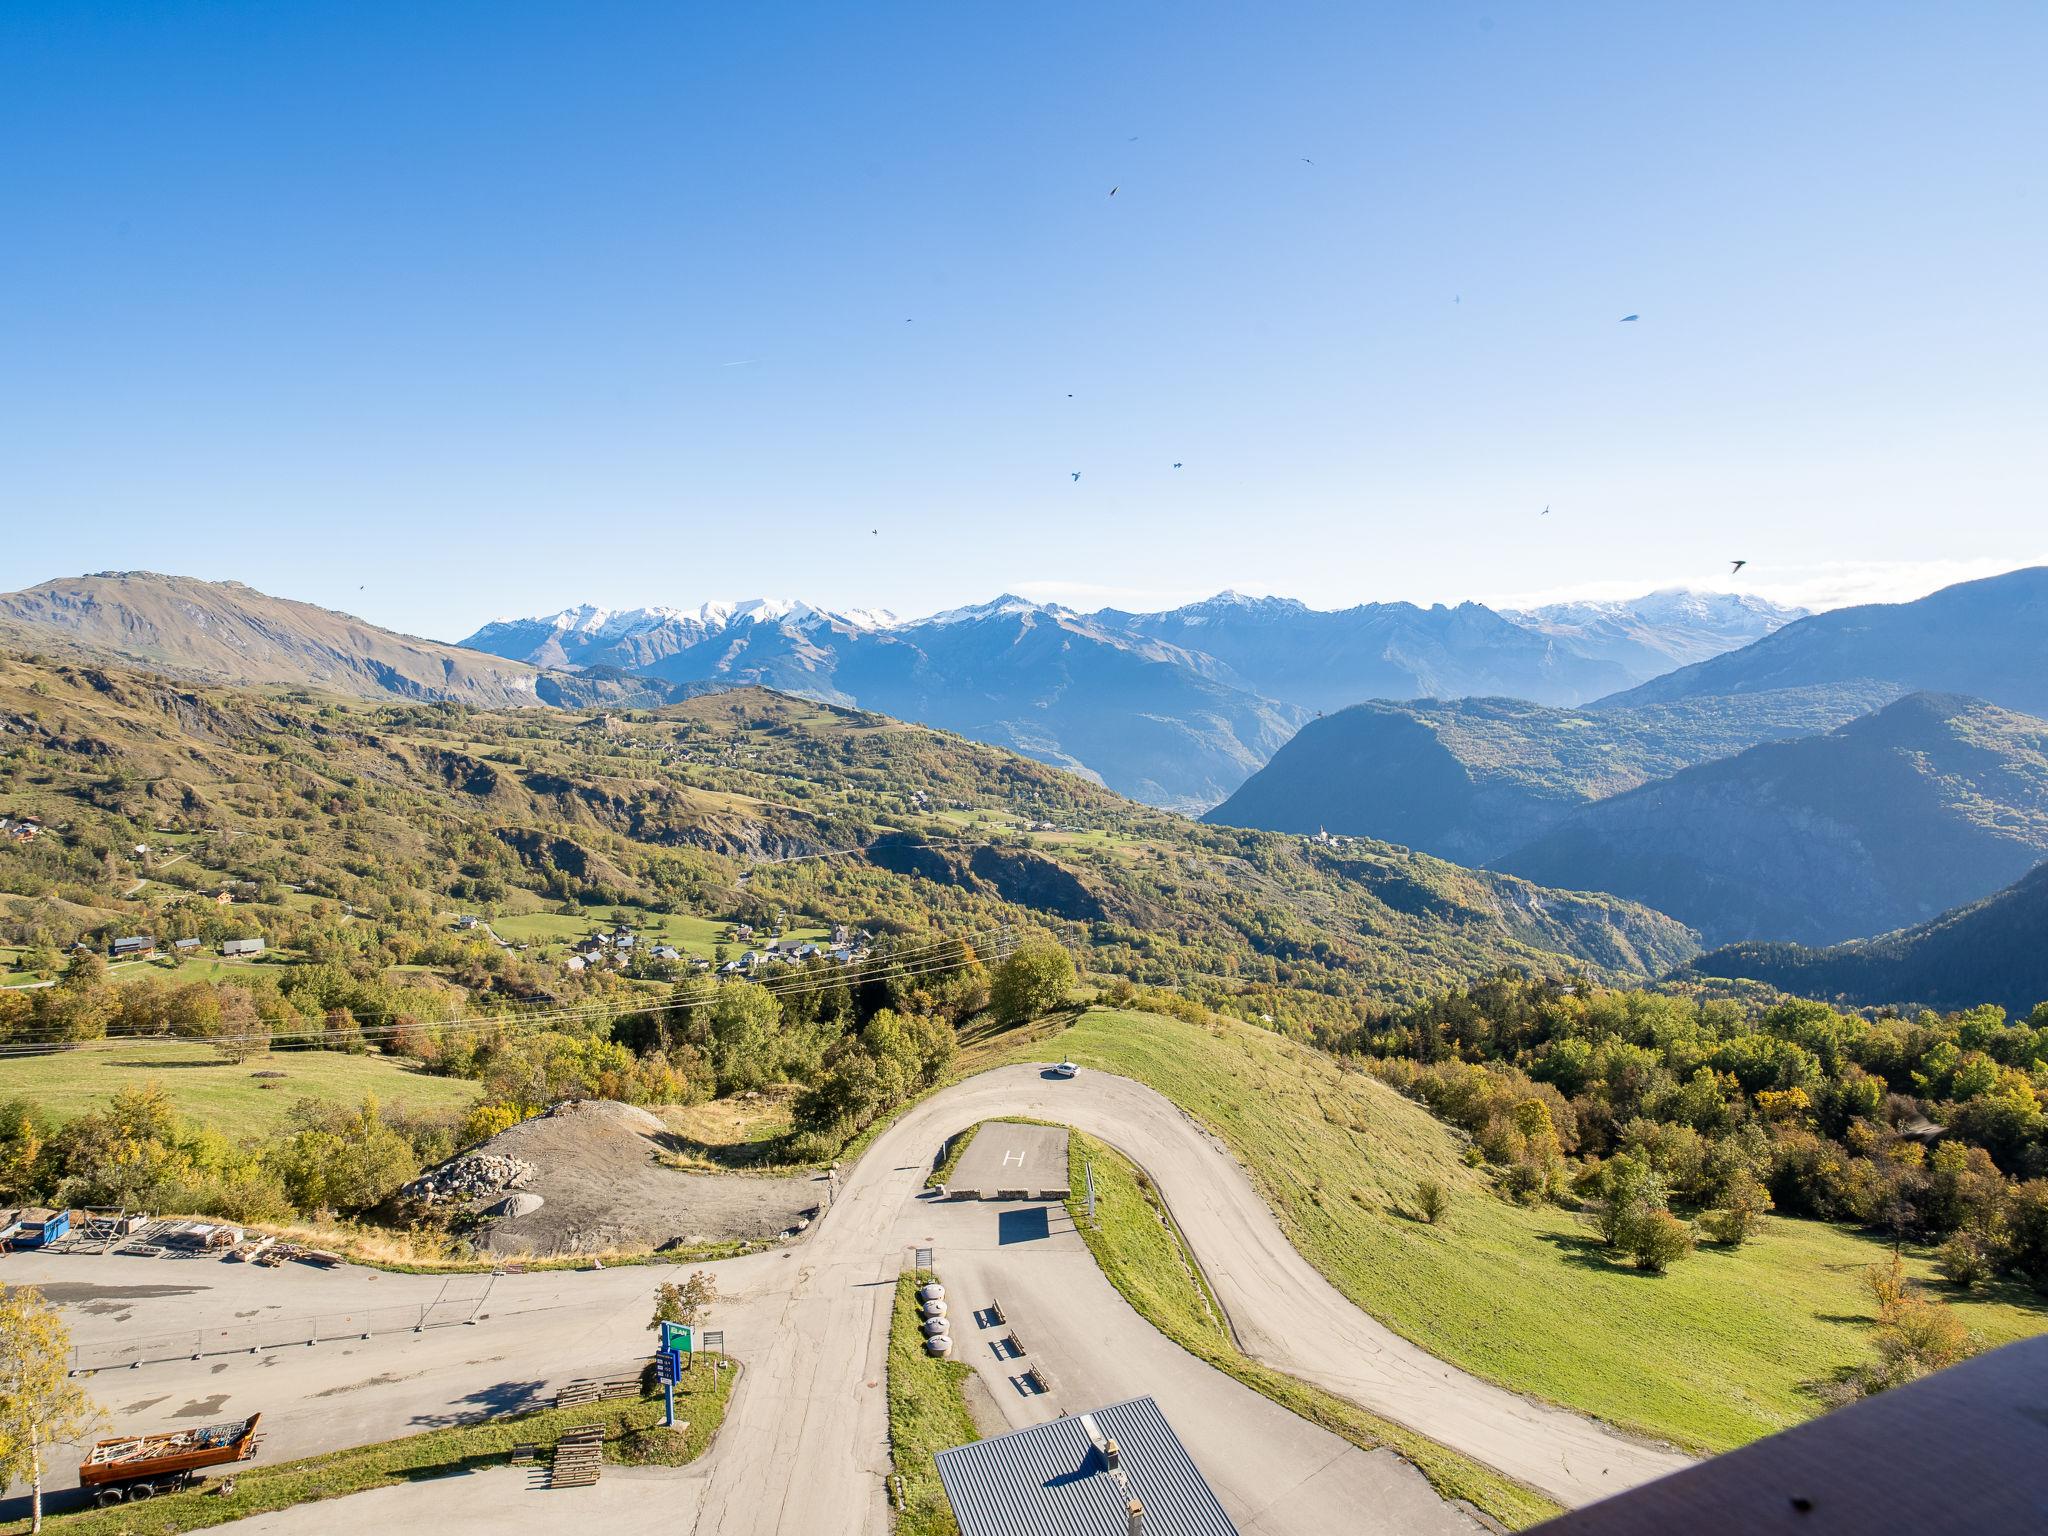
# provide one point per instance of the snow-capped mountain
(1651, 635)
(1175, 707)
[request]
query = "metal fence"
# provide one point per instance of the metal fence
(454, 1306)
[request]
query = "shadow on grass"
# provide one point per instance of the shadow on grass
(1591, 1253)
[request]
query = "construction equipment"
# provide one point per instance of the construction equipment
(129, 1467)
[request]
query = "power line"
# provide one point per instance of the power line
(930, 959)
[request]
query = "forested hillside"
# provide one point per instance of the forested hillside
(1993, 951)
(405, 813)
(1929, 1127)
(1928, 803)
(1472, 779)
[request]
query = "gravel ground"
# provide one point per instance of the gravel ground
(602, 1189)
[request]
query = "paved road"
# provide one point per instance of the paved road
(805, 1443)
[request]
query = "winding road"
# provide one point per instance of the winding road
(804, 1447)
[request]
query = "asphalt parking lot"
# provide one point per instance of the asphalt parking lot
(1007, 1160)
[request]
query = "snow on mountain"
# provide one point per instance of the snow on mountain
(1652, 634)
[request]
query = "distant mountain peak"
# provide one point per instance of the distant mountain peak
(995, 608)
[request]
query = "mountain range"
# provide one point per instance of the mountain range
(1175, 708)
(1473, 779)
(1988, 951)
(1928, 803)
(224, 632)
(1985, 638)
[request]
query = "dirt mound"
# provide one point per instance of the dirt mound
(601, 1187)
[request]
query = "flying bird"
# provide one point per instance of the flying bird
(1626, 318)
(1545, 512)
(1306, 161)
(1736, 565)
(1112, 190)
(876, 532)
(1077, 474)
(1176, 463)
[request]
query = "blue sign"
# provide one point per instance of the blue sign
(668, 1364)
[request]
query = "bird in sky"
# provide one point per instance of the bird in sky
(1545, 512)
(1112, 190)
(876, 532)
(1077, 474)
(1176, 463)
(1626, 318)
(1132, 139)
(1306, 161)
(1736, 565)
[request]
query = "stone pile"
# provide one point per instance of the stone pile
(471, 1177)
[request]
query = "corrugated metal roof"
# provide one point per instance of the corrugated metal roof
(1047, 1480)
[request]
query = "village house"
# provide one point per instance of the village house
(135, 947)
(184, 946)
(233, 948)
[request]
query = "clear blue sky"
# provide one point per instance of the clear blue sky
(488, 308)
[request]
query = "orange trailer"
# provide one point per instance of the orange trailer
(142, 1466)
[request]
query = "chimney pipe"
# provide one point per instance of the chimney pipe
(1109, 1454)
(1136, 1512)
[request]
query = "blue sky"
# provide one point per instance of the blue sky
(445, 312)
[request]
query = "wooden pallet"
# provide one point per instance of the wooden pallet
(579, 1394)
(579, 1458)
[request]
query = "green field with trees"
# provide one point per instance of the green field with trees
(1730, 1344)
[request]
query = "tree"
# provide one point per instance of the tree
(1964, 1261)
(82, 1003)
(685, 1303)
(1034, 979)
(39, 1403)
(1431, 1200)
(1744, 1204)
(239, 1030)
(1655, 1240)
(1629, 1185)
(23, 1135)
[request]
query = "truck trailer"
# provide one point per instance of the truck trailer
(143, 1466)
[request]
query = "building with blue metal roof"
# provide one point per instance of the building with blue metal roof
(1116, 1471)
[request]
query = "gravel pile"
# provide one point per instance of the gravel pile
(471, 1177)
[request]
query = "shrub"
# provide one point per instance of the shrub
(1432, 1201)
(1963, 1261)
(1655, 1240)
(1742, 1215)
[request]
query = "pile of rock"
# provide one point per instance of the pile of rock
(471, 1177)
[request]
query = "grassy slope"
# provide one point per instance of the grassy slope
(1710, 1355)
(1138, 1248)
(927, 1413)
(220, 1093)
(632, 1434)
